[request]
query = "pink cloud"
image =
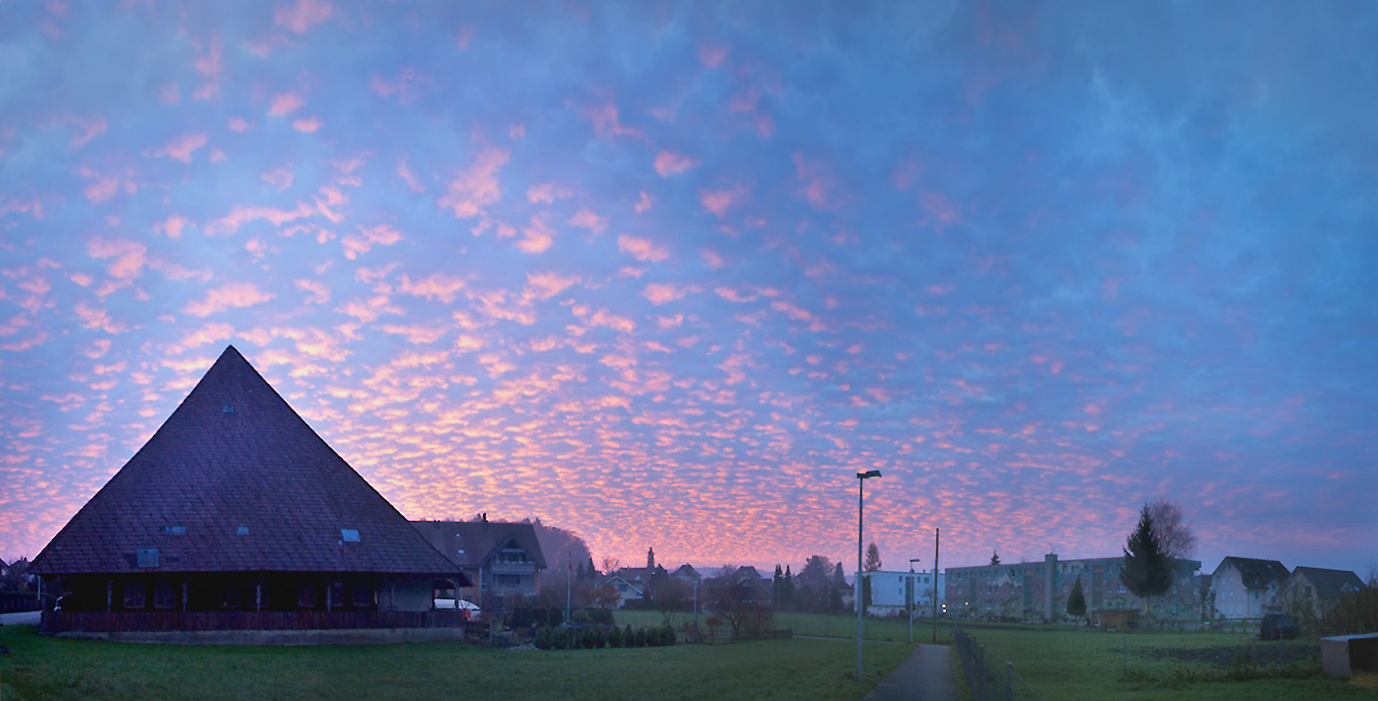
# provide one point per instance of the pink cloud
(941, 211)
(182, 147)
(719, 201)
(712, 259)
(93, 318)
(436, 286)
(405, 86)
(381, 235)
(712, 56)
(285, 103)
(320, 294)
(129, 256)
(643, 203)
(279, 178)
(407, 176)
(732, 295)
(605, 121)
(476, 187)
(642, 249)
(547, 285)
(669, 163)
(242, 214)
(587, 219)
(536, 238)
(465, 35)
(104, 187)
(237, 125)
(303, 14)
(87, 130)
(546, 192)
(662, 293)
(816, 182)
(308, 126)
(235, 294)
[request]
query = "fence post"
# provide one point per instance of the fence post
(981, 667)
(1009, 681)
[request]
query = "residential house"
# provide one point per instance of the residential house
(1038, 591)
(626, 589)
(237, 515)
(892, 592)
(502, 559)
(688, 575)
(1314, 592)
(1243, 587)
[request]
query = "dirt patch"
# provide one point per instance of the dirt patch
(1227, 656)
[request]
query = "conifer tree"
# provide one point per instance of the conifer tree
(1076, 601)
(1147, 570)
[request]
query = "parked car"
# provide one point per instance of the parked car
(1277, 626)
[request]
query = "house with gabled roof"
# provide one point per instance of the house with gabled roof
(1316, 590)
(502, 559)
(1244, 587)
(236, 515)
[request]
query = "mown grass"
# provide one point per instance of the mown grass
(1068, 663)
(47, 668)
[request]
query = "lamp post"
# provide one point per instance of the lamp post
(861, 478)
(909, 591)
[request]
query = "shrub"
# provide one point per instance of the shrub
(669, 635)
(554, 617)
(615, 637)
(640, 637)
(538, 616)
(521, 617)
(545, 638)
(628, 637)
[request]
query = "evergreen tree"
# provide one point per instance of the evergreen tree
(787, 588)
(1147, 570)
(777, 585)
(1076, 601)
(650, 558)
(994, 558)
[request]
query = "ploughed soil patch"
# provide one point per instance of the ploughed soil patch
(1266, 654)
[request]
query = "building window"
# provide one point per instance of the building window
(134, 595)
(306, 595)
(361, 595)
(164, 594)
(231, 595)
(349, 535)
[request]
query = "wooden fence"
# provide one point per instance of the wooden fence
(58, 622)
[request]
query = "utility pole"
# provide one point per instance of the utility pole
(936, 534)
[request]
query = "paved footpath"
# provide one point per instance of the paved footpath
(926, 676)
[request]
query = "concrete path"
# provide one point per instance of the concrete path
(926, 676)
(25, 618)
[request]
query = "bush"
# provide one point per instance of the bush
(628, 637)
(614, 637)
(640, 637)
(521, 617)
(554, 617)
(538, 617)
(669, 635)
(545, 638)
(602, 617)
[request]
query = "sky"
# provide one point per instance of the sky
(670, 274)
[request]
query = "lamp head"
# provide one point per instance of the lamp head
(868, 474)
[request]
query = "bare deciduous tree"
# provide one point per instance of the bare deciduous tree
(1175, 537)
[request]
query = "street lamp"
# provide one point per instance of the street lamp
(861, 478)
(910, 591)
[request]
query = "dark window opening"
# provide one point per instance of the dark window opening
(165, 594)
(134, 593)
(306, 595)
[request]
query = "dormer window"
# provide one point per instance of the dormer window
(349, 535)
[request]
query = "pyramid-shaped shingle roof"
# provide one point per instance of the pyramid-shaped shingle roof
(235, 480)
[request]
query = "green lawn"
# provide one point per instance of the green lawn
(47, 668)
(1067, 663)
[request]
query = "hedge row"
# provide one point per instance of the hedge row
(551, 638)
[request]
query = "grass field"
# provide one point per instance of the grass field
(1068, 663)
(47, 668)
(817, 625)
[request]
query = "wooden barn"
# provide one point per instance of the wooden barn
(235, 515)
